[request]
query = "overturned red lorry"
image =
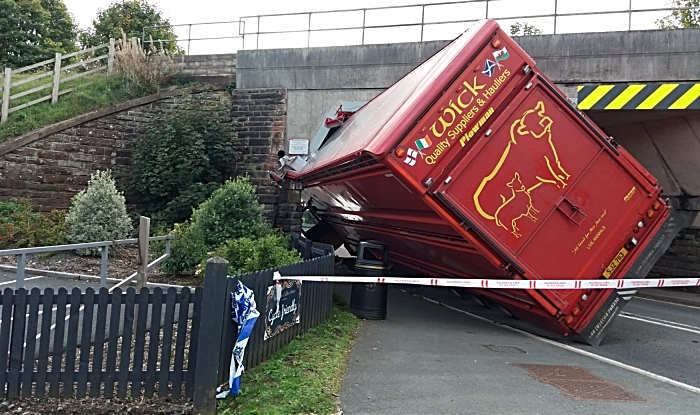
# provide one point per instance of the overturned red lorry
(475, 165)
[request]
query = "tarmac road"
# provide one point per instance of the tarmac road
(660, 337)
(7, 280)
(432, 355)
(657, 336)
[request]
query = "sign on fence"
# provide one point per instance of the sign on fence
(282, 309)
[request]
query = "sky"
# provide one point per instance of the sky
(185, 12)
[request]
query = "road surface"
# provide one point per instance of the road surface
(659, 337)
(440, 354)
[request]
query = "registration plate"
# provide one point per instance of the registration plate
(615, 263)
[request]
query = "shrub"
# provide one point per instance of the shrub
(187, 249)
(181, 159)
(20, 227)
(249, 255)
(232, 212)
(98, 213)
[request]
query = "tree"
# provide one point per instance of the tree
(61, 30)
(524, 29)
(685, 16)
(182, 157)
(34, 30)
(131, 17)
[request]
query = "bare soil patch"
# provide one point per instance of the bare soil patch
(96, 406)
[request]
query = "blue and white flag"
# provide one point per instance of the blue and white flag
(245, 314)
(489, 67)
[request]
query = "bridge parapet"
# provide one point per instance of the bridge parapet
(318, 77)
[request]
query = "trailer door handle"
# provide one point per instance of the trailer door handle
(571, 211)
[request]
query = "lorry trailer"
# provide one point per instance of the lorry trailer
(475, 165)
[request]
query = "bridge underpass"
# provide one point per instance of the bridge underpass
(659, 124)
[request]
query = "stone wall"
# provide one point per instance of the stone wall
(682, 259)
(260, 116)
(218, 69)
(50, 166)
(289, 210)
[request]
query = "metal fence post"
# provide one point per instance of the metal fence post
(364, 20)
(422, 23)
(257, 35)
(56, 79)
(103, 266)
(241, 32)
(629, 22)
(21, 262)
(6, 95)
(308, 38)
(189, 39)
(209, 350)
(110, 56)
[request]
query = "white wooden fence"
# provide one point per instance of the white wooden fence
(90, 62)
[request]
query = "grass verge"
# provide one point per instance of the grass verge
(304, 377)
(90, 93)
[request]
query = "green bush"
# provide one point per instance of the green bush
(249, 255)
(187, 249)
(181, 159)
(233, 211)
(98, 213)
(22, 228)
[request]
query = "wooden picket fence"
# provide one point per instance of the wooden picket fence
(77, 342)
(316, 303)
(175, 342)
(87, 64)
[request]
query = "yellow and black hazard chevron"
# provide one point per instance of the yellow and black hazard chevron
(652, 96)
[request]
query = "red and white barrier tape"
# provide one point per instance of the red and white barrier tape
(509, 284)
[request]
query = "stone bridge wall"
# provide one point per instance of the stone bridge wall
(51, 165)
(217, 69)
